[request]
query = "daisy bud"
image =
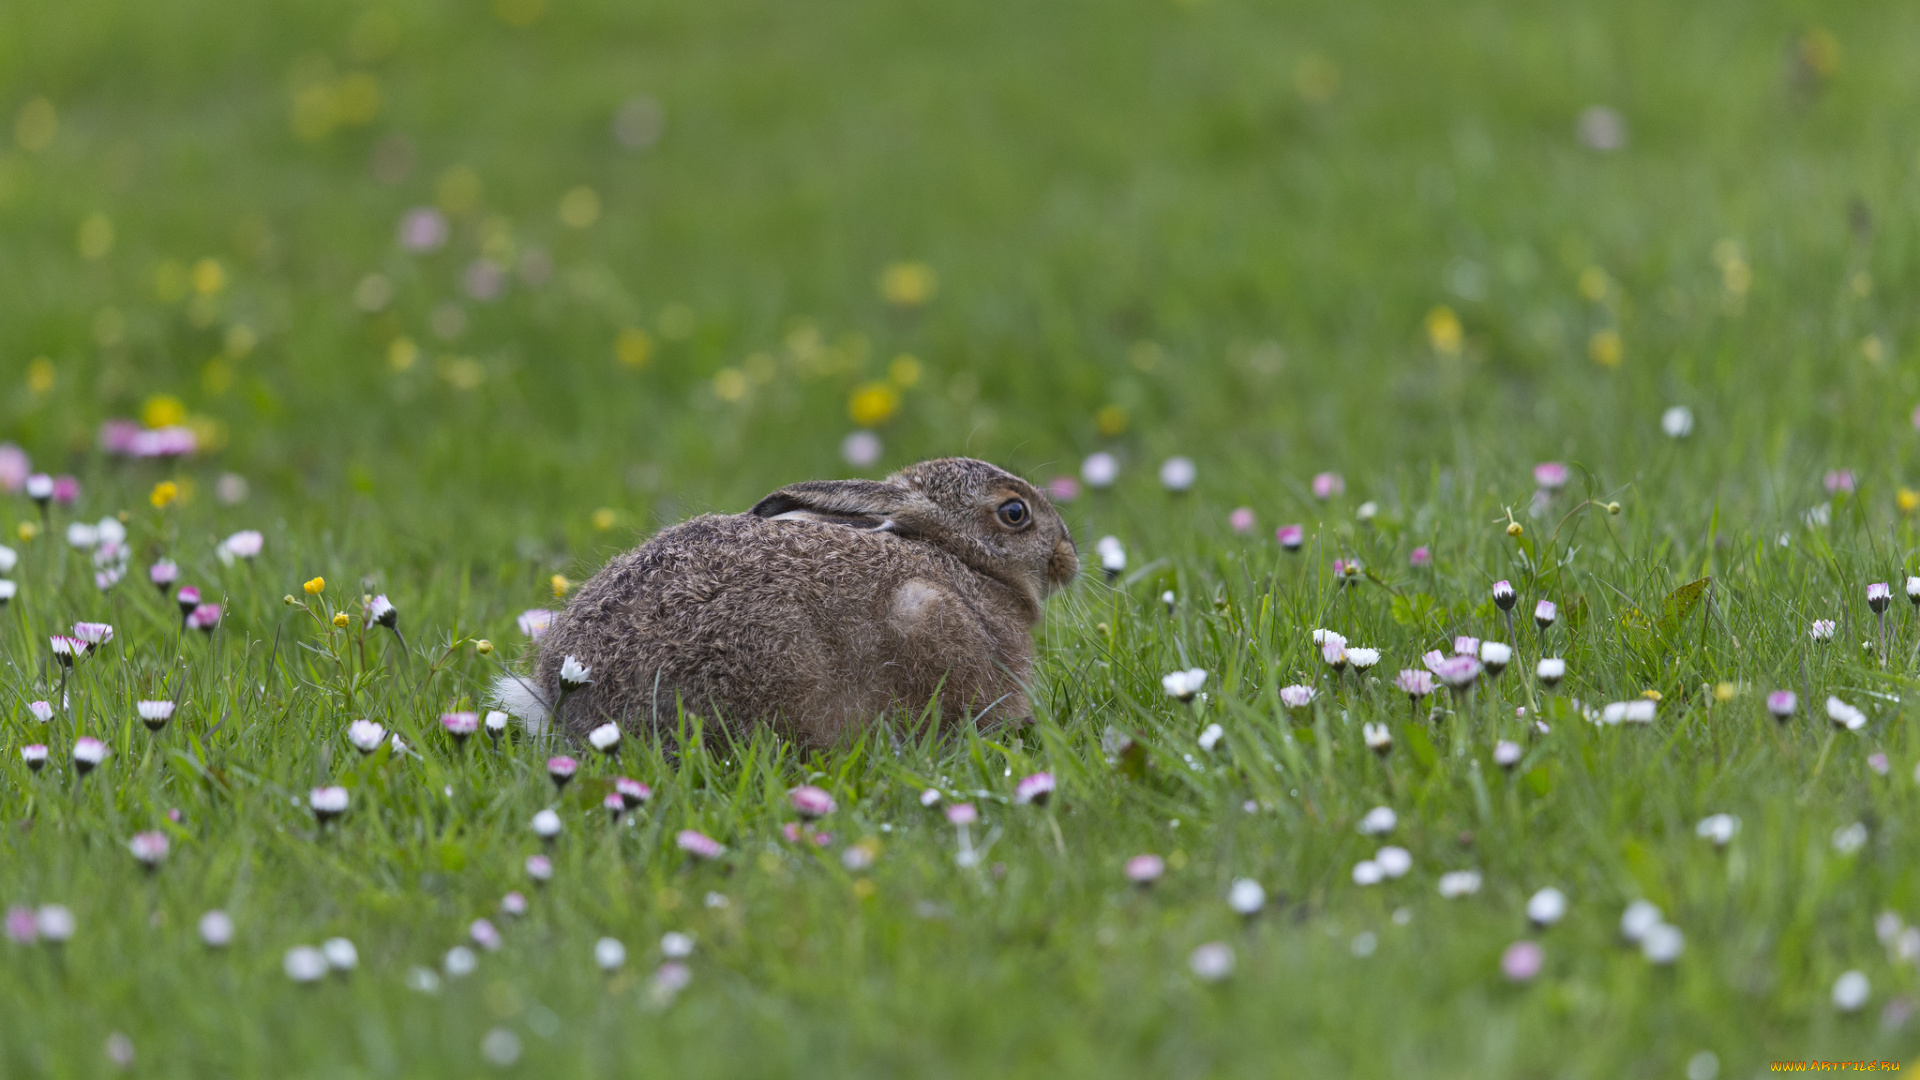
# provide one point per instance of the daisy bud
(540, 869)
(546, 825)
(1394, 862)
(1145, 869)
(1328, 484)
(88, 753)
(381, 612)
(55, 923)
(1246, 896)
(1544, 614)
(1821, 630)
(1550, 671)
(605, 738)
(460, 725)
(1522, 961)
(1719, 828)
(40, 488)
(1113, 556)
(1459, 883)
(1547, 907)
(1291, 537)
(675, 945)
(698, 844)
(365, 735)
(496, 724)
(1241, 520)
(1496, 656)
(1177, 474)
(1459, 672)
(188, 598)
(1550, 475)
(1414, 683)
(632, 792)
(1367, 872)
(609, 955)
(574, 675)
(614, 805)
(66, 649)
(304, 964)
(1335, 654)
(1420, 558)
(1211, 962)
(1503, 595)
(1879, 596)
(216, 929)
(484, 934)
(514, 904)
(154, 714)
(1379, 738)
(810, 802)
(1035, 789)
(41, 710)
(560, 770)
(1913, 591)
(963, 814)
(327, 803)
(149, 849)
(205, 618)
(1782, 703)
(35, 755)
(460, 962)
(1677, 422)
(1506, 754)
(1379, 821)
(1210, 737)
(1662, 944)
(1184, 684)
(163, 574)
(1844, 716)
(1100, 470)
(1297, 696)
(1851, 991)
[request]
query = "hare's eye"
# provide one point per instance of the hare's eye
(1013, 513)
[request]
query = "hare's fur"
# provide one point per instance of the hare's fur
(827, 606)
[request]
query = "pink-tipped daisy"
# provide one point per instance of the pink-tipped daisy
(1459, 672)
(1415, 683)
(327, 803)
(540, 869)
(154, 714)
(1241, 520)
(35, 755)
(614, 805)
(1782, 703)
(1544, 613)
(534, 623)
(41, 710)
(632, 792)
(188, 598)
(963, 814)
(1550, 475)
(560, 770)
(205, 618)
(1145, 869)
(163, 574)
(810, 802)
(1503, 595)
(1297, 696)
(149, 848)
(1420, 558)
(1035, 789)
(1328, 484)
(88, 753)
(1522, 961)
(460, 725)
(698, 844)
(1291, 536)
(66, 649)
(1879, 595)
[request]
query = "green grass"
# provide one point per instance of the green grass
(1168, 216)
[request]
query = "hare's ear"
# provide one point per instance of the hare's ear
(863, 504)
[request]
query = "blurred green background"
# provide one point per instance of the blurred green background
(1230, 226)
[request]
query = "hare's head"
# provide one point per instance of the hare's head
(988, 518)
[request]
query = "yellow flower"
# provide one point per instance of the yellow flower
(1605, 348)
(634, 347)
(579, 207)
(908, 284)
(28, 530)
(873, 404)
(341, 620)
(1650, 695)
(313, 587)
(1111, 420)
(605, 518)
(1725, 691)
(1444, 331)
(209, 277)
(1908, 499)
(40, 376)
(163, 410)
(164, 493)
(561, 586)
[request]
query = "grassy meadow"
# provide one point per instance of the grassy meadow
(454, 300)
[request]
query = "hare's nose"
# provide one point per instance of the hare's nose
(1065, 562)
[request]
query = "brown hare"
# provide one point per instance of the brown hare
(828, 605)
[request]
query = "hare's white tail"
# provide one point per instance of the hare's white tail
(517, 695)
